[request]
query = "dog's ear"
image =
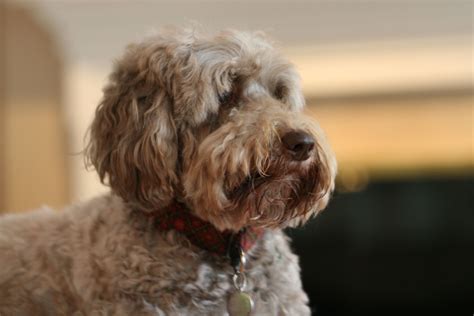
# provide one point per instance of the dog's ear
(132, 141)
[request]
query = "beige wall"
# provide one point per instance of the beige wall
(33, 140)
(389, 137)
(2, 105)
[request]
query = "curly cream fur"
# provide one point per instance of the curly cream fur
(100, 258)
(190, 117)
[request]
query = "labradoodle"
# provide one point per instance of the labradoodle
(208, 156)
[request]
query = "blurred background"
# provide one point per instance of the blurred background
(390, 81)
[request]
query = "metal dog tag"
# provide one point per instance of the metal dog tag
(239, 304)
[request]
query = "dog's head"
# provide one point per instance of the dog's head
(214, 121)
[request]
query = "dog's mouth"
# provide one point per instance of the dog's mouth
(275, 179)
(260, 189)
(250, 183)
(276, 196)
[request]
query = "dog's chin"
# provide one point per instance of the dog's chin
(277, 199)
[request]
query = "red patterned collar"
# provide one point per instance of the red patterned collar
(203, 234)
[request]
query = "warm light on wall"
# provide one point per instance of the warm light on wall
(400, 137)
(386, 66)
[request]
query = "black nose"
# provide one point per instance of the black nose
(299, 144)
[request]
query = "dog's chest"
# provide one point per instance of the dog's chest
(182, 281)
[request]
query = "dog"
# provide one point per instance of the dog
(208, 155)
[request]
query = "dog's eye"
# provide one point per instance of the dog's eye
(280, 92)
(225, 98)
(142, 99)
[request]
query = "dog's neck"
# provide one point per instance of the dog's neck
(203, 234)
